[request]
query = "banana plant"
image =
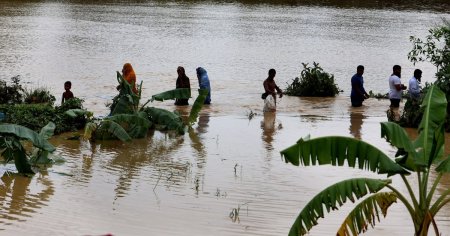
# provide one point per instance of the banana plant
(419, 157)
(128, 121)
(11, 146)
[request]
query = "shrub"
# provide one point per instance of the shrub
(11, 94)
(313, 82)
(39, 95)
(36, 116)
(435, 49)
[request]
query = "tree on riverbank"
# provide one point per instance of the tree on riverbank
(435, 48)
(417, 156)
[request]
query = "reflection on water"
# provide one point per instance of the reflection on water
(19, 200)
(269, 127)
(193, 181)
(356, 120)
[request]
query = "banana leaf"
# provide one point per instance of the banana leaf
(25, 133)
(89, 129)
(180, 93)
(166, 119)
(397, 137)
(123, 105)
(109, 129)
(136, 125)
(76, 112)
(48, 130)
(444, 166)
(335, 150)
(366, 213)
(126, 101)
(430, 142)
(39, 156)
(197, 106)
(333, 197)
(15, 151)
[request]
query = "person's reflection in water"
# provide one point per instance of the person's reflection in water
(23, 201)
(196, 139)
(268, 125)
(203, 121)
(356, 121)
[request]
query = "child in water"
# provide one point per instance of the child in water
(67, 94)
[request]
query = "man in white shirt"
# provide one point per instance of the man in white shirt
(414, 85)
(395, 86)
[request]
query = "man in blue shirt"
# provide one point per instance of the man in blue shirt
(358, 92)
(414, 85)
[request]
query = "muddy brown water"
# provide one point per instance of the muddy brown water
(191, 184)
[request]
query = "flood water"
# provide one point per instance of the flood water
(189, 185)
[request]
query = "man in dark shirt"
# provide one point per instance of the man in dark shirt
(270, 86)
(358, 93)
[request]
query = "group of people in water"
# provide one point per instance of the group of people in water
(181, 82)
(359, 94)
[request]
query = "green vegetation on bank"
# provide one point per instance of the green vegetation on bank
(435, 48)
(128, 120)
(313, 82)
(33, 108)
(420, 157)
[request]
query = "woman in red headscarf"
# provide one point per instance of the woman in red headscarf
(129, 75)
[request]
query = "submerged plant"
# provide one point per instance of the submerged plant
(11, 147)
(313, 82)
(127, 120)
(417, 156)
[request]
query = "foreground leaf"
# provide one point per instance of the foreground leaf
(15, 151)
(333, 197)
(197, 106)
(396, 135)
(48, 130)
(435, 111)
(25, 133)
(335, 150)
(444, 166)
(366, 213)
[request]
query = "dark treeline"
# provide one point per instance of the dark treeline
(434, 5)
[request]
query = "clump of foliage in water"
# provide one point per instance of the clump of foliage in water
(39, 95)
(11, 94)
(34, 108)
(27, 161)
(36, 116)
(313, 82)
(435, 49)
(128, 119)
